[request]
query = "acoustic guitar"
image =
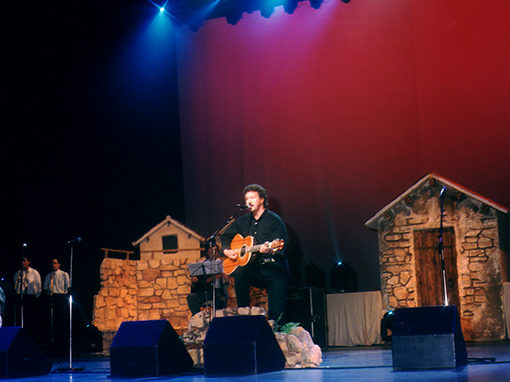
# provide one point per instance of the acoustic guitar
(244, 248)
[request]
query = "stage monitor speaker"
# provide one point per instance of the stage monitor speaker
(148, 348)
(20, 356)
(427, 338)
(307, 306)
(241, 345)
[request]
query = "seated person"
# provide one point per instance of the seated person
(202, 288)
(202, 292)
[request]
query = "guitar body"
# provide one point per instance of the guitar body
(244, 248)
(240, 244)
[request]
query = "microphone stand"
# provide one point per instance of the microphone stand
(19, 287)
(71, 244)
(229, 221)
(212, 255)
(71, 307)
(52, 322)
(441, 246)
(211, 242)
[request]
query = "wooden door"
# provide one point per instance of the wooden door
(428, 267)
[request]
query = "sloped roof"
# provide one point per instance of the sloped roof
(449, 184)
(168, 220)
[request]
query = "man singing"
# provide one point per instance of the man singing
(56, 285)
(27, 283)
(267, 268)
(57, 281)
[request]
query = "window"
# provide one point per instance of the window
(170, 243)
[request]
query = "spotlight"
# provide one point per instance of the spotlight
(387, 326)
(161, 8)
(343, 278)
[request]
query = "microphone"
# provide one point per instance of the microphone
(75, 240)
(443, 191)
(242, 206)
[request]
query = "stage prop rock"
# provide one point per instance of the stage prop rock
(297, 345)
(476, 250)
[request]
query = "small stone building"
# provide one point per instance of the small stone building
(153, 287)
(476, 248)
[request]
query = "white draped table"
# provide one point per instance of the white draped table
(354, 318)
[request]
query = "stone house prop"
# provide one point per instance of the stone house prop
(476, 242)
(151, 288)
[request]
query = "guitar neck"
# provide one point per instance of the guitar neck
(253, 248)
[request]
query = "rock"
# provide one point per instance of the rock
(219, 313)
(257, 311)
(293, 343)
(304, 337)
(314, 356)
(197, 321)
(297, 346)
(293, 360)
(244, 311)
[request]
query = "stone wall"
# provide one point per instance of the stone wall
(151, 288)
(116, 300)
(480, 260)
(143, 290)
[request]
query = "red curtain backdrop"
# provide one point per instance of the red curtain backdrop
(339, 110)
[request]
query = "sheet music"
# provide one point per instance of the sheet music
(208, 267)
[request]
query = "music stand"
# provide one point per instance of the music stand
(208, 268)
(213, 266)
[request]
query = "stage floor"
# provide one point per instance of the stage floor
(487, 362)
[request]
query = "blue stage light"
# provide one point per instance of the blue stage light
(161, 7)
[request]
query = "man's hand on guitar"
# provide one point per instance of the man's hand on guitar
(230, 253)
(266, 248)
(242, 248)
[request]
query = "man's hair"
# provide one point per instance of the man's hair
(259, 189)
